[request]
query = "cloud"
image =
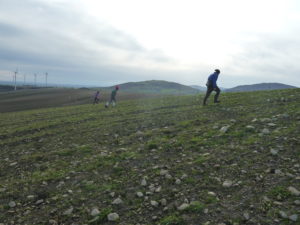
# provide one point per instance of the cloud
(267, 58)
(51, 37)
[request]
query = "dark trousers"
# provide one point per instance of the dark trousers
(210, 89)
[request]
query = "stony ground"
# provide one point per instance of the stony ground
(156, 161)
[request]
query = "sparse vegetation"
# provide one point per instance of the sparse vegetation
(154, 155)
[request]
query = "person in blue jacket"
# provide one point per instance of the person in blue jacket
(212, 86)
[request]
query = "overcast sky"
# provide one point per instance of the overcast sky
(106, 42)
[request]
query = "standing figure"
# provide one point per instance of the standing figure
(112, 97)
(212, 86)
(96, 98)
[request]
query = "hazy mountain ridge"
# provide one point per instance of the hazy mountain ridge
(157, 87)
(259, 87)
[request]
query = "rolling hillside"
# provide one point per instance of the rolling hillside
(162, 161)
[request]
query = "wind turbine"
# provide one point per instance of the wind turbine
(35, 79)
(46, 76)
(15, 78)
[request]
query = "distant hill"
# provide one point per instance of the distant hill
(200, 88)
(157, 87)
(259, 87)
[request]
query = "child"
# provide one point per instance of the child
(112, 97)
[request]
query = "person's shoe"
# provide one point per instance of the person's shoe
(216, 101)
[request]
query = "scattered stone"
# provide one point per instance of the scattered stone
(178, 181)
(30, 197)
(12, 204)
(183, 206)
(293, 217)
(227, 183)
(294, 191)
(274, 151)
(144, 182)
(95, 212)
(163, 172)
(267, 120)
(113, 217)
(168, 176)
(184, 176)
(283, 214)
(205, 211)
(154, 203)
(249, 127)
(224, 129)
(112, 194)
(212, 193)
(154, 217)
(157, 190)
(297, 202)
(53, 222)
(13, 164)
(246, 216)
(233, 121)
(265, 131)
(139, 194)
(40, 201)
(163, 202)
(117, 201)
(68, 211)
(2, 189)
(271, 124)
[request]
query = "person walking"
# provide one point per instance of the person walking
(112, 97)
(96, 98)
(212, 86)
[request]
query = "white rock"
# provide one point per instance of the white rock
(144, 182)
(178, 181)
(227, 183)
(283, 214)
(163, 202)
(246, 216)
(139, 194)
(154, 203)
(265, 131)
(183, 207)
(271, 124)
(68, 211)
(39, 201)
(113, 217)
(249, 127)
(212, 193)
(95, 212)
(168, 176)
(163, 172)
(274, 151)
(117, 201)
(184, 176)
(157, 190)
(30, 197)
(293, 217)
(12, 204)
(297, 202)
(224, 129)
(294, 191)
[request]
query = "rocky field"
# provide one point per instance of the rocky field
(160, 161)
